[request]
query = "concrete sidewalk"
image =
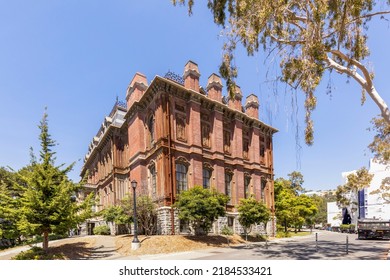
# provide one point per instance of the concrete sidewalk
(7, 254)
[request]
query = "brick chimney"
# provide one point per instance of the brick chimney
(235, 101)
(214, 87)
(252, 106)
(136, 89)
(191, 76)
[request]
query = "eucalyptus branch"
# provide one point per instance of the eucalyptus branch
(368, 87)
(356, 63)
(297, 25)
(287, 42)
(355, 19)
(294, 16)
(342, 69)
(369, 15)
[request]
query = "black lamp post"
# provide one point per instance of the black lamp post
(135, 242)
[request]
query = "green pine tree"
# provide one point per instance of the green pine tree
(48, 203)
(9, 205)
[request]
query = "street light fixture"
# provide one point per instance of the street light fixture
(135, 244)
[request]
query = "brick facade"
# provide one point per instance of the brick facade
(172, 135)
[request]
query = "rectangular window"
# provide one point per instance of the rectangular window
(121, 187)
(228, 185)
(181, 127)
(247, 181)
(206, 178)
(181, 178)
(262, 149)
(245, 146)
(262, 190)
(151, 130)
(206, 135)
(153, 180)
(226, 141)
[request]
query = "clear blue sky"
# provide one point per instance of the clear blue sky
(75, 57)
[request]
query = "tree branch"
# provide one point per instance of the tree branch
(369, 15)
(294, 16)
(356, 63)
(355, 19)
(287, 42)
(370, 89)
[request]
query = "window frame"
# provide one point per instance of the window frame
(153, 179)
(181, 181)
(208, 179)
(228, 184)
(247, 182)
(151, 123)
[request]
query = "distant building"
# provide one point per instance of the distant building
(364, 204)
(171, 135)
(333, 214)
(373, 206)
(319, 193)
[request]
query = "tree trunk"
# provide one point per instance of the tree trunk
(45, 243)
(285, 225)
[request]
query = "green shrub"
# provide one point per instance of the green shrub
(102, 230)
(37, 253)
(226, 231)
(344, 228)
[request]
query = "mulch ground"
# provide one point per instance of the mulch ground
(165, 244)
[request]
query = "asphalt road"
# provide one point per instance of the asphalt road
(330, 246)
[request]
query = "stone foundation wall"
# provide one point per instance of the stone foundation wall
(164, 221)
(164, 224)
(262, 229)
(219, 224)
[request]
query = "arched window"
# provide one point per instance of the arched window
(181, 177)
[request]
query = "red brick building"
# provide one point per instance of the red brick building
(171, 135)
